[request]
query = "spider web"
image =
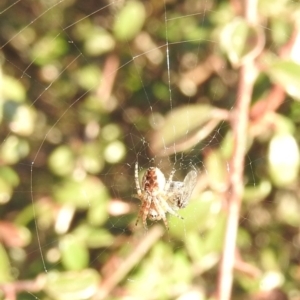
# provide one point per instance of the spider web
(101, 111)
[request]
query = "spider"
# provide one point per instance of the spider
(159, 196)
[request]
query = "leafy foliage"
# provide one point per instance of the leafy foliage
(85, 91)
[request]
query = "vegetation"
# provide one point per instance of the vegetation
(90, 87)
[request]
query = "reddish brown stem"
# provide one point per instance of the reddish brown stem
(143, 247)
(239, 126)
(239, 123)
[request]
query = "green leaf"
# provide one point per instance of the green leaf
(13, 149)
(81, 193)
(72, 285)
(88, 77)
(213, 241)
(194, 243)
(99, 42)
(216, 168)
(62, 161)
(114, 152)
(21, 117)
(90, 159)
(8, 180)
(258, 192)
(129, 20)
(240, 40)
(287, 74)
(98, 212)
(5, 191)
(184, 127)
(9, 175)
(74, 253)
(5, 267)
(48, 49)
(12, 89)
(98, 238)
(276, 8)
(93, 237)
(287, 208)
(196, 215)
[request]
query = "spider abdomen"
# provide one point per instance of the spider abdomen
(153, 180)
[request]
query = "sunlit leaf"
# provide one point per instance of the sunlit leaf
(98, 212)
(90, 158)
(217, 170)
(98, 238)
(72, 285)
(114, 152)
(5, 274)
(196, 215)
(281, 30)
(14, 149)
(184, 127)
(9, 175)
(274, 8)
(62, 161)
(287, 208)
(286, 74)
(21, 117)
(12, 89)
(213, 241)
(194, 243)
(74, 253)
(88, 77)
(283, 159)
(98, 42)
(5, 191)
(129, 20)
(81, 193)
(48, 49)
(241, 41)
(258, 192)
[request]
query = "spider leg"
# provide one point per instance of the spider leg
(144, 206)
(161, 212)
(139, 215)
(173, 212)
(168, 208)
(145, 210)
(142, 213)
(167, 185)
(136, 177)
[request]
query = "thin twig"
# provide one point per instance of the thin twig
(108, 79)
(11, 289)
(133, 259)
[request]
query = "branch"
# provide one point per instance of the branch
(239, 123)
(132, 260)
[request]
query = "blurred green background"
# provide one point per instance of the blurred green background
(85, 92)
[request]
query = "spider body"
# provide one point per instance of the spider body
(159, 196)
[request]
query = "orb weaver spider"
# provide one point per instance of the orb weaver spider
(159, 196)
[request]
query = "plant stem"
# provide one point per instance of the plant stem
(239, 123)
